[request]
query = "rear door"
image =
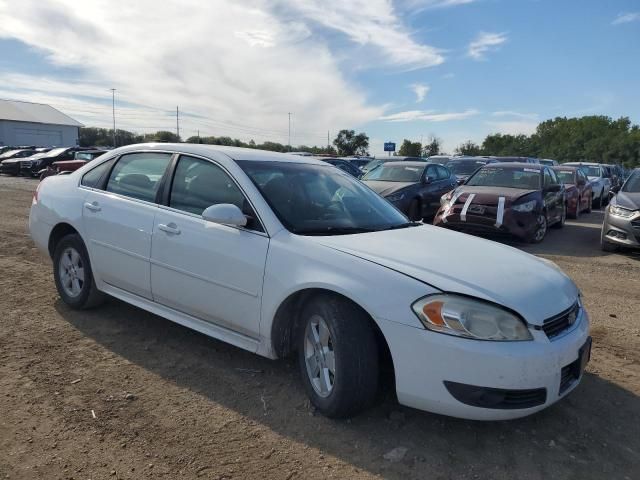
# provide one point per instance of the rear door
(553, 196)
(211, 271)
(118, 216)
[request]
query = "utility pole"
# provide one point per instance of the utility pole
(289, 143)
(328, 145)
(177, 123)
(113, 107)
(198, 135)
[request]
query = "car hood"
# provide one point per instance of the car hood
(459, 263)
(386, 188)
(490, 195)
(630, 200)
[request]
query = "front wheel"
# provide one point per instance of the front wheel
(338, 356)
(563, 218)
(73, 275)
(541, 229)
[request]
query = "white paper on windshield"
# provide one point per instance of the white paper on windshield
(531, 170)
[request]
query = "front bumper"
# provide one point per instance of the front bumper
(425, 360)
(621, 231)
(517, 224)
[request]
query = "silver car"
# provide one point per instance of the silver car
(621, 226)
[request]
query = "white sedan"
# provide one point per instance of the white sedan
(282, 254)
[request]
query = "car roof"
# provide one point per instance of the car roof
(589, 164)
(409, 163)
(572, 168)
(538, 166)
(234, 153)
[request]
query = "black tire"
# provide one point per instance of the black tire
(563, 218)
(597, 204)
(88, 296)
(588, 209)
(608, 247)
(414, 212)
(354, 351)
(576, 215)
(541, 230)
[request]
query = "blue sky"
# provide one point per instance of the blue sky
(456, 69)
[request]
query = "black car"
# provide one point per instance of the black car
(414, 188)
(32, 166)
(344, 165)
(464, 167)
(10, 161)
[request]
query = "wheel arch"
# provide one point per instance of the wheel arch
(286, 320)
(57, 233)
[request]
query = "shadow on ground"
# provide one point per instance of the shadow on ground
(593, 433)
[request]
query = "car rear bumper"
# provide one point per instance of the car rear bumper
(621, 231)
(442, 374)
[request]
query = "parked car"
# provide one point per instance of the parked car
(621, 226)
(441, 159)
(615, 173)
(67, 166)
(548, 162)
(414, 188)
(506, 198)
(379, 161)
(600, 182)
(517, 159)
(578, 190)
(202, 234)
(10, 161)
(35, 165)
(463, 167)
(343, 165)
(359, 162)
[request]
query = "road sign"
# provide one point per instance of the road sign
(389, 147)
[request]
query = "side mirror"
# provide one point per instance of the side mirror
(427, 179)
(554, 188)
(225, 214)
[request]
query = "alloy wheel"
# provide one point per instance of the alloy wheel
(71, 272)
(541, 231)
(319, 356)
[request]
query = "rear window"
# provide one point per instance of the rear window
(390, 172)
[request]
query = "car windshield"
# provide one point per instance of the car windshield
(314, 199)
(496, 176)
(591, 171)
(390, 172)
(372, 164)
(566, 176)
(632, 185)
(464, 167)
(55, 152)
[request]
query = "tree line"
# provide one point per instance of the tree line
(590, 138)
(346, 143)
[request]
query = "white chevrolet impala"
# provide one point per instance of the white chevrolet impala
(281, 254)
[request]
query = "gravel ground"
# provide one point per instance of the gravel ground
(119, 393)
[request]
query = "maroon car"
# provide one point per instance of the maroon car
(578, 188)
(515, 199)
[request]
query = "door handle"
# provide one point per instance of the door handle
(94, 207)
(170, 228)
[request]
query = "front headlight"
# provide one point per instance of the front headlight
(621, 212)
(525, 207)
(395, 197)
(466, 317)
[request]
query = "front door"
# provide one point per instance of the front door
(210, 271)
(118, 221)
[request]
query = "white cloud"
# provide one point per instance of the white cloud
(511, 113)
(421, 90)
(234, 68)
(485, 42)
(428, 116)
(626, 18)
(371, 23)
(429, 4)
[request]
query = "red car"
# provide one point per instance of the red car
(578, 190)
(68, 166)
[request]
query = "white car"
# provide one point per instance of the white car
(279, 253)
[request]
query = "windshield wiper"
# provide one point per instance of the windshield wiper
(401, 225)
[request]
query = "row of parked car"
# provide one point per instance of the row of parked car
(515, 196)
(40, 162)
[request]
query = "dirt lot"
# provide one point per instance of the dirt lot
(171, 403)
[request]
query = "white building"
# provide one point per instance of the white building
(26, 123)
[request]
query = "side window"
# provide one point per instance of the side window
(198, 184)
(92, 177)
(138, 175)
(547, 178)
(443, 173)
(554, 177)
(432, 172)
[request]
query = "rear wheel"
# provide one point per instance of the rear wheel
(589, 204)
(563, 218)
(576, 215)
(338, 356)
(414, 212)
(73, 275)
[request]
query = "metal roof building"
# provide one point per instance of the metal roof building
(26, 123)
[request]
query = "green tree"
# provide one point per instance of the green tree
(348, 143)
(432, 147)
(410, 149)
(469, 148)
